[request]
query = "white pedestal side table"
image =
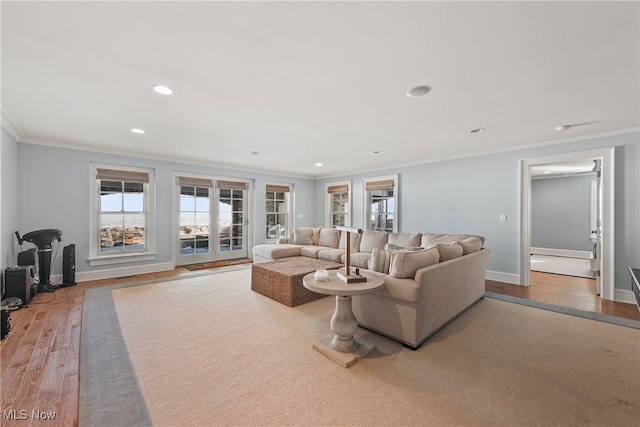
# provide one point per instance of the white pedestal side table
(343, 347)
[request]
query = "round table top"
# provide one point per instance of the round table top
(336, 286)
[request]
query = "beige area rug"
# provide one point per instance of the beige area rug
(209, 351)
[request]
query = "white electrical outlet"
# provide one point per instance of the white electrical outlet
(300, 216)
(503, 217)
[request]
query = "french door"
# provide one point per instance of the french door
(213, 220)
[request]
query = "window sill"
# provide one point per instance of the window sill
(121, 258)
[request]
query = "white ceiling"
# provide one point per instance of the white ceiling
(307, 82)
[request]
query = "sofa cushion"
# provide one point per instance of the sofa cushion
(400, 289)
(310, 251)
(355, 241)
(334, 255)
(392, 247)
(303, 236)
(404, 264)
(277, 251)
(405, 239)
(434, 238)
(329, 237)
(358, 259)
(380, 260)
(450, 251)
(439, 238)
(470, 245)
(373, 239)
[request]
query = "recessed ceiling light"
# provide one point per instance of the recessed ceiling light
(477, 130)
(135, 130)
(377, 152)
(562, 128)
(318, 164)
(162, 90)
(418, 91)
(546, 172)
(254, 153)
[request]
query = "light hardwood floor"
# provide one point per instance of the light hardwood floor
(39, 360)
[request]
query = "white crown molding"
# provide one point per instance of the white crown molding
(11, 126)
(541, 143)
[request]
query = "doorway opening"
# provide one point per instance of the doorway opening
(597, 247)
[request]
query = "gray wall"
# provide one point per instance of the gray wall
(468, 195)
(457, 196)
(561, 213)
(8, 201)
(53, 186)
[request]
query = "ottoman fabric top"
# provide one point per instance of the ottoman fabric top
(298, 265)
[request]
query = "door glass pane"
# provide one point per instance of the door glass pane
(225, 221)
(231, 222)
(194, 220)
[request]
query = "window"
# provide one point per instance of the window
(277, 211)
(122, 220)
(338, 204)
(381, 200)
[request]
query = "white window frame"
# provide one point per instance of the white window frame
(96, 258)
(367, 200)
(288, 214)
(328, 219)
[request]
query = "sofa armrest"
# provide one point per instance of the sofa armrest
(450, 287)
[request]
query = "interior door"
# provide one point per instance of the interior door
(596, 231)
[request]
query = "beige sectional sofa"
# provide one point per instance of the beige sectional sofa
(430, 278)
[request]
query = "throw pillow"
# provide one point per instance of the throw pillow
(470, 245)
(404, 264)
(316, 235)
(303, 236)
(380, 260)
(392, 247)
(450, 251)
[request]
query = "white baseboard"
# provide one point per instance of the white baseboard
(122, 272)
(562, 252)
(624, 295)
(500, 276)
(620, 295)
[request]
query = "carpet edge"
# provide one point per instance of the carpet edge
(629, 323)
(101, 330)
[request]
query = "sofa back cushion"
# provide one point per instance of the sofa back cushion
(316, 235)
(439, 238)
(373, 239)
(329, 237)
(471, 245)
(450, 251)
(303, 236)
(355, 241)
(405, 239)
(404, 264)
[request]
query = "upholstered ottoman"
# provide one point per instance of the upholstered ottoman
(281, 280)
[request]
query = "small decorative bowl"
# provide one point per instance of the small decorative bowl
(321, 275)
